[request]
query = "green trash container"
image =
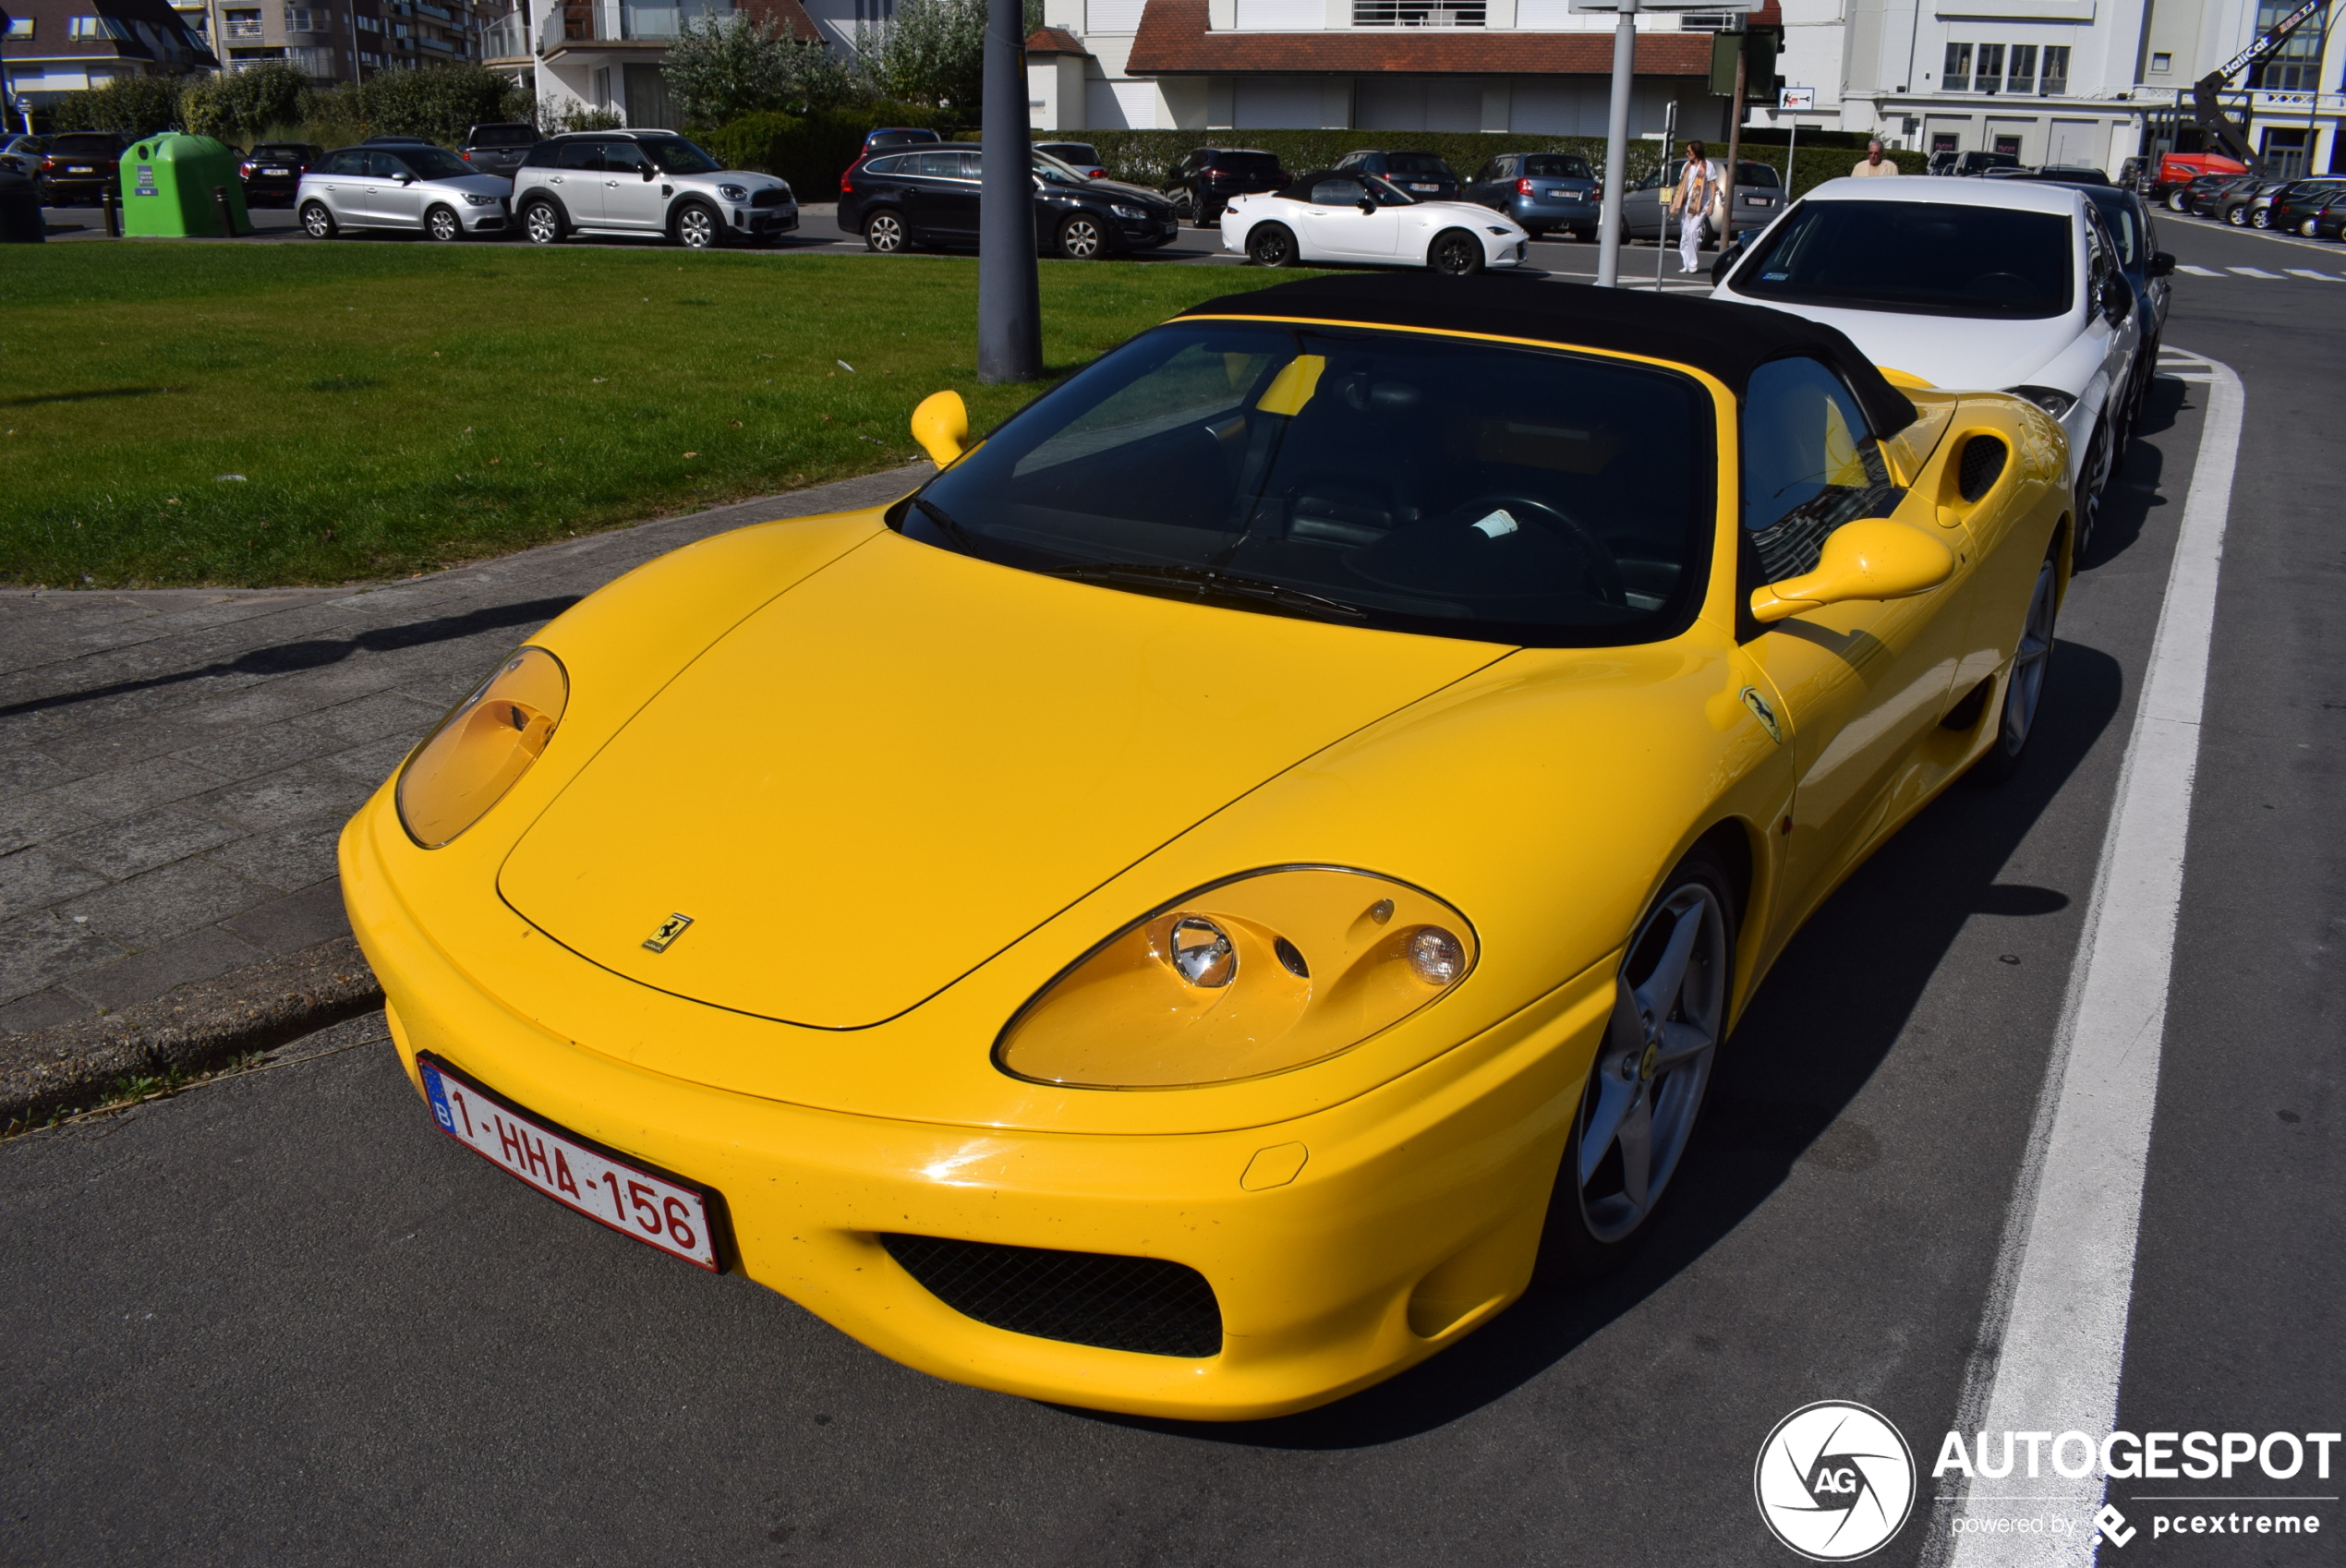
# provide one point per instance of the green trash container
(168, 185)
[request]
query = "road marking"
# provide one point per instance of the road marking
(2053, 1336)
(2309, 272)
(2253, 273)
(2197, 272)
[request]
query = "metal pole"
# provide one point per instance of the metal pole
(1734, 145)
(1669, 150)
(1009, 304)
(1616, 149)
(1791, 159)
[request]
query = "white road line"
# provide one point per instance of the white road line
(2309, 272)
(2254, 273)
(2197, 272)
(2054, 1334)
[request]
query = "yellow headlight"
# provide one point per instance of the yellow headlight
(1264, 972)
(487, 741)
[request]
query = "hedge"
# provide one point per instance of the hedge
(812, 152)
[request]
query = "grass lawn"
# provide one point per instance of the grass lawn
(393, 408)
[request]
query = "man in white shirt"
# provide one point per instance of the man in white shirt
(1699, 188)
(1873, 165)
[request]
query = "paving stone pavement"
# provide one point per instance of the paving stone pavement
(176, 763)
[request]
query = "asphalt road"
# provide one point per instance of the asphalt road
(282, 1318)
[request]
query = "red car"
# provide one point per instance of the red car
(2177, 170)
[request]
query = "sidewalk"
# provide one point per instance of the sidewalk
(176, 764)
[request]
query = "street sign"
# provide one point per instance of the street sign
(1796, 100)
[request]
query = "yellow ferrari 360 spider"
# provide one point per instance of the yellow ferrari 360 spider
(1187, 912)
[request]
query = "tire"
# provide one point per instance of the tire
(697, 226)
(1652, 1068)
(2237, 217)
(318, 221)
(2310, 228)
(2093, 482)
(2175, 202)
(2261, 219)
(442, 225)
(2025, 687)
(884, 231)
(541, 220)
(1185, 208)
(1080, 238)
(1453, 253)
(1271, 245)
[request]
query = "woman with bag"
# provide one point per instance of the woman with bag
(1701, 186)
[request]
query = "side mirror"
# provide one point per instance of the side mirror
(649, 173)
(1872, 558)
(1367, 205)
(2117, 297)
(2163, 264)
(1728, 256)
(942, 424)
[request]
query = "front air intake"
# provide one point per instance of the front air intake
(1148, 1305)
(1980, 466)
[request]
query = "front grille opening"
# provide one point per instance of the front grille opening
(1148, 1305)
(1981, 465)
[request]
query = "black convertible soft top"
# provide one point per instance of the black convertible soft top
(1726, 340)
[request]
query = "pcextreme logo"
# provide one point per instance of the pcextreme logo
(1834, 1481)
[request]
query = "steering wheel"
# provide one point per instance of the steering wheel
(1604, 567)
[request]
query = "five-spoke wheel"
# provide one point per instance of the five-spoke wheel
(1455, 253)
(1644, 1090)
(441, 225)
(1271, 245)
(543, 222)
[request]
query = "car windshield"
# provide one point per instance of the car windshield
(1053, 170)
(1073, 152)
(675, 155)
(1759, 176)
(901, 138)
(2125, 226)
(1927, 257)
(434, 162)
(100, 146)
(504, 136)
(1411, 482)
(1557, 166)
(291, 151)
(1244, 163)
(1417, 163)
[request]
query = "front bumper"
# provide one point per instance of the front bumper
(762, 220)
(487, 220)
(1578, 216)
(1414, 1218)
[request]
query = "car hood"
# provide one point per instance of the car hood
(479, 184)
(736, 176)
(1960, 353)
(1459, 212)
(898, 767)
(1140, 193)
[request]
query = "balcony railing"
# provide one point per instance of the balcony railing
(507, 38)
(623, 21)
(1418, 13)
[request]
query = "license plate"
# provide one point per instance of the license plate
(1416, 187)
(80, 169)
(657, 1210)
(276, 171)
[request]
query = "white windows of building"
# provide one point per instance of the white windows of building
(1118, 17)
(2161, 63)
(1418, 13)
(94, 28)
(305, 19)
(19, 28)
(1273, 16)
(2013, 68)
(871, 11)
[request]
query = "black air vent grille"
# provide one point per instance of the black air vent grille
(1981, 465)
(767, 196)
(1144, 1304)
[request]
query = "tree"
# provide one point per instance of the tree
(239, 105)
(137, 107)
(436, 103)
(931, 51)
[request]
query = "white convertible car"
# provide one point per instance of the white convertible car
(1343, 215)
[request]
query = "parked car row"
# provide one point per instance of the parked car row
(929, 198)
(2313, 206)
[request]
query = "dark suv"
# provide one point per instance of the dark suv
(1544, 191)
(498, 148)
(895, 200)
(1202, 184)
(272, 171)
(1421, 174)
(78, 165)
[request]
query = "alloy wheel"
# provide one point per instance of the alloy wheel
(2310, 228)
(2026, 688)
(317, 223)
(2237, 217)
(2261, 219)
(441, 225)
(2093, 479)
(696, 227)
(541, 224)
(1271, 246)
(1646, 1086)
(1081, 240)
(884, 233)
(1456, 255)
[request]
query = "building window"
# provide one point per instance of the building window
(2296, 66)
(301, 18)
(2162, 63)
(100, 26)
(1418, 13)
(1957, 76)
(1990, 77)
(2022, 77)
(19, 27)
(2056, 78)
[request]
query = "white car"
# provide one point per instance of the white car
(1343, 215)
(411, 185)
(646, 182)
(1991, 284)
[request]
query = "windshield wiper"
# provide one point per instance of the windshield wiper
(954, 531)
(1206, 579)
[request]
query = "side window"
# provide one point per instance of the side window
(345, 163)
(580, 155)
(625, 158)
(384, 166)
(1809, 464)
(1336, 193)
(940, 166)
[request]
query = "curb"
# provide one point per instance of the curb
(191, 1030)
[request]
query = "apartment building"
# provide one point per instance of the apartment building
(2055, 82)
(1531, 66)
(605, 55)
(54, 47)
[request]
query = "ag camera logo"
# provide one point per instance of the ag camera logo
(1834, 1481)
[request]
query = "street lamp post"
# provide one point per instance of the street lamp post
(1010, 305)
(1616, 144)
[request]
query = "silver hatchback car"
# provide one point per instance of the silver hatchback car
(646, 182)
(414, 185)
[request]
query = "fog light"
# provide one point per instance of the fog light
(1435, 956)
